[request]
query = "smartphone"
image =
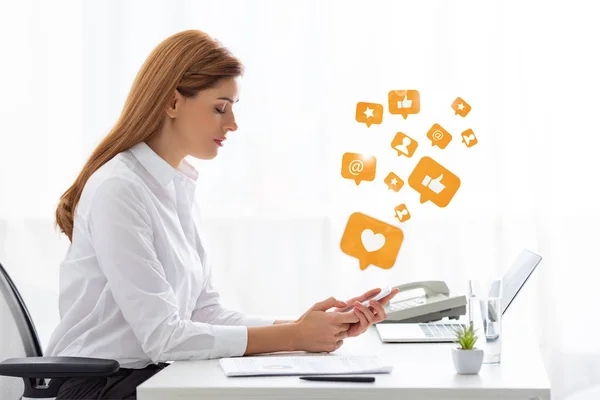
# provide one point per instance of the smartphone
(384, 292)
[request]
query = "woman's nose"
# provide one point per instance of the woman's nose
(230, 126)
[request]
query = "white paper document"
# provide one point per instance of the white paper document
(299, 365)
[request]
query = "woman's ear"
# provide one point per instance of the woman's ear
(174, 104)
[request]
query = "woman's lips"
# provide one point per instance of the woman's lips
(219, 142)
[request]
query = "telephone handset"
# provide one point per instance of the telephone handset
(431, 288)
(435, 304)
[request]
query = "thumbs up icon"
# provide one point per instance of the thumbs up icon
(434, 182)
(435, 185)
(404, 102)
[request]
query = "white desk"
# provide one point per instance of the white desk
(421, 371)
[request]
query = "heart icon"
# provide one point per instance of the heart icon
(371, 241)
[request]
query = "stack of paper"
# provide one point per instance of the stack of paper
(302, 365)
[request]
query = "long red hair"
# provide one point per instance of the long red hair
(188, 61)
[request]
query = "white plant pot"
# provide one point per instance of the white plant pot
(467, 362)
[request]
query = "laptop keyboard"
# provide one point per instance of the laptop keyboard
(439, 330)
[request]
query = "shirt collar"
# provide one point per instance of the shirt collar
(159, 168)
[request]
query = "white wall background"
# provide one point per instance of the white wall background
(274, 203)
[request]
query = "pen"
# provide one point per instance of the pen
(339, 378)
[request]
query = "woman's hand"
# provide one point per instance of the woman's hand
(367, 315)
(322, 331)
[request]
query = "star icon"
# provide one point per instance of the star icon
(460, 107)
(393, 182)
(368, 113)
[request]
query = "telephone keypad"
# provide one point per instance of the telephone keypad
(403, 305)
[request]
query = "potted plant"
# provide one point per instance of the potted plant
(467, 358)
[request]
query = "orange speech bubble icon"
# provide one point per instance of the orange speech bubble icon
(369, 113)
(404, 144)
(371, 241)
(402, 213)
(439, 136)
(358, 167)
(404, 102)
(469, 138)
(434, 182)
(393, 182)
(461, 107)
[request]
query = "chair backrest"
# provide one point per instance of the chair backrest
(18, 337)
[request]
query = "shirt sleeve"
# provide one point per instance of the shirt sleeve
(209, 309)
(122, 236)
(208, 306)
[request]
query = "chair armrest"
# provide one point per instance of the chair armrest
(58, 367)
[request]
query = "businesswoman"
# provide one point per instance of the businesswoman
(136, 285)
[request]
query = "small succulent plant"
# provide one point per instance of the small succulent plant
(466, 337)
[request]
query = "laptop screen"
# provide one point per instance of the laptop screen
(517, 275)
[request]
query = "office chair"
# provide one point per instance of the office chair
(18, 338)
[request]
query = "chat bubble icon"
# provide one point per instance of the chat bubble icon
(434, 182)
(393, 182)
(439, 136)
(469, 138)
(460, 107)
(358, 167)
(404, 144)
(371, 241)
(402, 213)
(404, 102)
(369, 113)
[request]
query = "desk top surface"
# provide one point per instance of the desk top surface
(421, 371)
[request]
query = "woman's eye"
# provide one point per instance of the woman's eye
(219, 111)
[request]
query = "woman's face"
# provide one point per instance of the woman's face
(201, 123)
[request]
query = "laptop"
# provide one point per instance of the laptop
(512, 282)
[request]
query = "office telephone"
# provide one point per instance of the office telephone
(436, 303)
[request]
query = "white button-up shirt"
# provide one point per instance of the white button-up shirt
(136, 285)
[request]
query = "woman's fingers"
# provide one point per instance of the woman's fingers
(368, 294)
(342, 335)
(327, 304)
(379, 310)
(364, 296)
(386, 299)
(365, 310)
(363, 321)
